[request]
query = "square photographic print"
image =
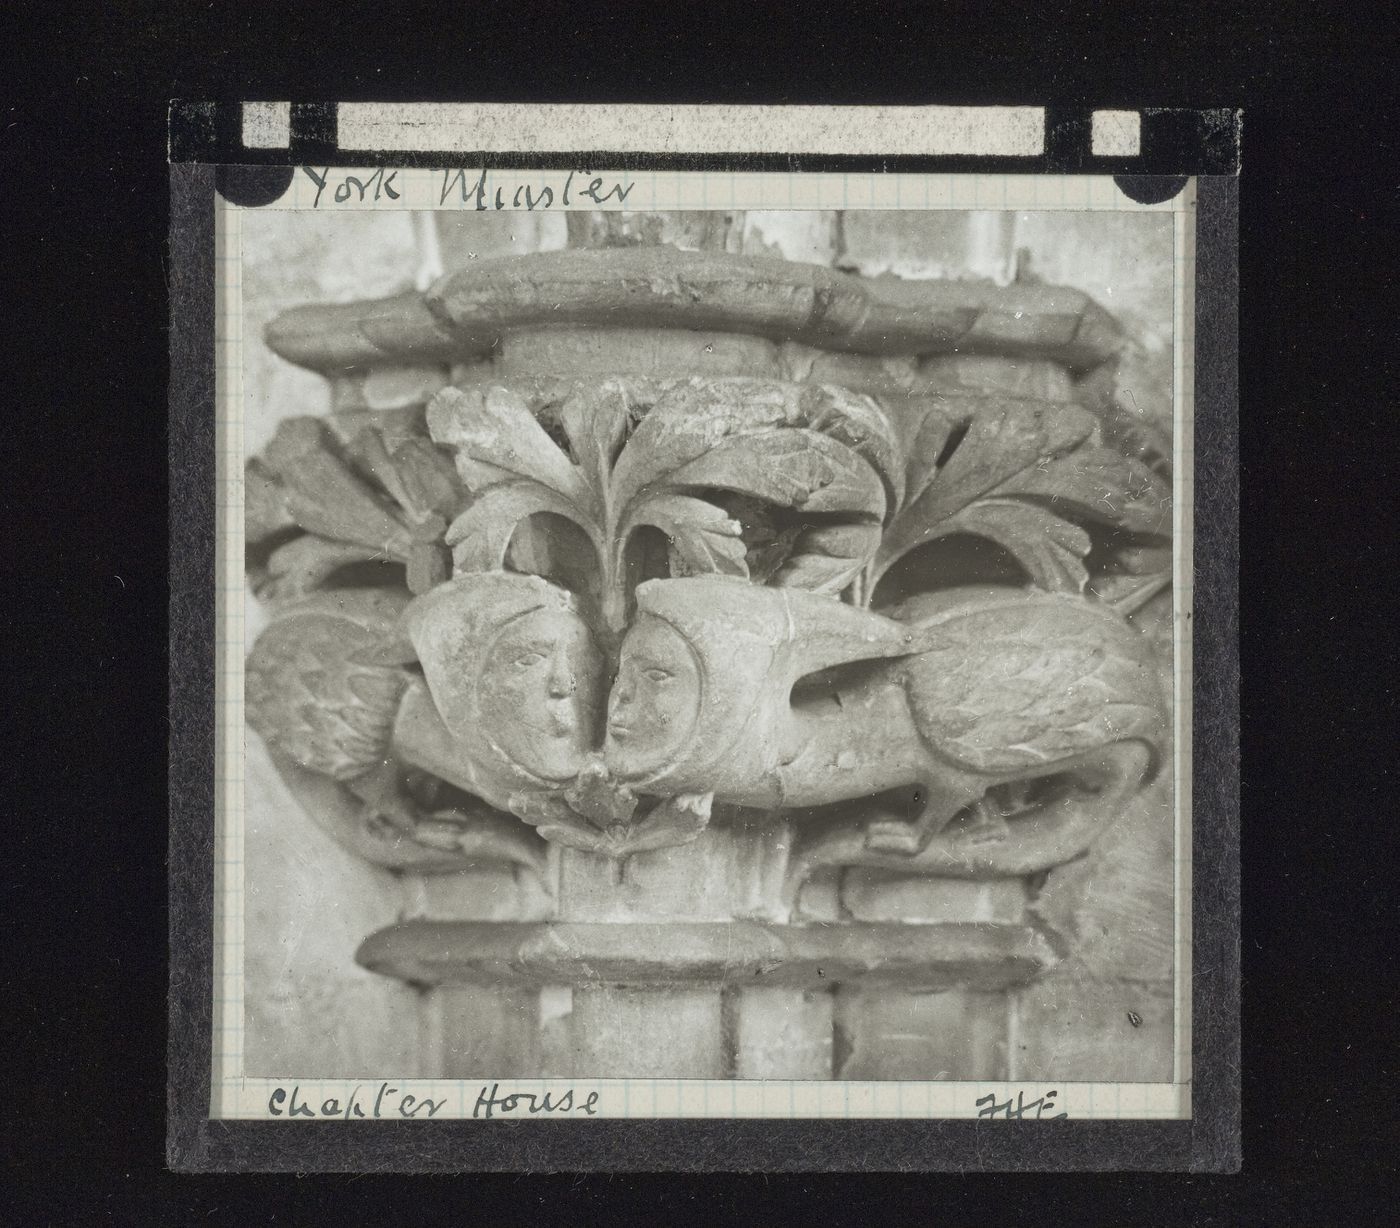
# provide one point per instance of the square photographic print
(717, 649)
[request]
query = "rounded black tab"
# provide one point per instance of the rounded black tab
(1150, 189)
(252, 186)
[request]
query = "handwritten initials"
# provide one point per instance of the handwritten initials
(1019, 1110)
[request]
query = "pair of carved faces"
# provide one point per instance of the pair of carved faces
(527, 675)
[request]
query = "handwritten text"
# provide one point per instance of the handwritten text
(482, 194)
(1019, 1110)
(546, 1102)
(387, 1102)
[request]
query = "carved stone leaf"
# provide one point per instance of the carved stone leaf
(424, 484)
(496, 439)
(429, 478)
(599, 798)
(672, 821)
(795, 468)
(325, 496)
(596, 421)
(704, 540)
(939, 421)
(862, 425)
(265, 509)
(556, 822)
(1050, 549)
(480, 536)
(1041, 452)
(354, 499)
(418, 476)
(827, 558)
(303, 565)
(368, 451)
(999, 442)
(478, 836)
(744, 437)
(695, 417)
(1100, 485)
(690, 419)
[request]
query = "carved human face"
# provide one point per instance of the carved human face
(540, 692)
(655, 700)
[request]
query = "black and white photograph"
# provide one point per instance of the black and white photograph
(710, 647)
(652, 611)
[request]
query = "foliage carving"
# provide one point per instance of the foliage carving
(315, 504)
(1027, 475)
(822, 453)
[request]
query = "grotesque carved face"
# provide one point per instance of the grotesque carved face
(654, 702)
(539, 691)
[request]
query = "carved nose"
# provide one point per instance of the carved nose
(561, 681)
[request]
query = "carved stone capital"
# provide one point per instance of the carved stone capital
(689, 537)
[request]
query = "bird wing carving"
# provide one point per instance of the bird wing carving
(1004, 695)
(313, 691)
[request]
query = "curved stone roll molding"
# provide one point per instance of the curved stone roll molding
(923, 958)
(465, 314)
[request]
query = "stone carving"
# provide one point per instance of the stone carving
(1031, 477)
(464, 316)
(613, 604)
(512, 681)
(739, 955)
(323, 688)
(320, 504)
(986, 706)
(641, 452)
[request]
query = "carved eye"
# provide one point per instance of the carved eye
(527, 660)
(657, 674)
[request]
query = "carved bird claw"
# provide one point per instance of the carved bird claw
(697, 804)
(894, 836)
(435, 833)
(987, 826)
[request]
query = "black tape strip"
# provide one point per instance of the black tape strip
(193, 632)
(1215, 699)
(314, 129)
(1067, 138)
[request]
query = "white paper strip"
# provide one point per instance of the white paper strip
(1116, 134)
(504, 127)
(267, 125)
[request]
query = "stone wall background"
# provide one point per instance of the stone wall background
(310, 1011)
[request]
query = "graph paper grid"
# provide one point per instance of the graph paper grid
(235, 1095)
